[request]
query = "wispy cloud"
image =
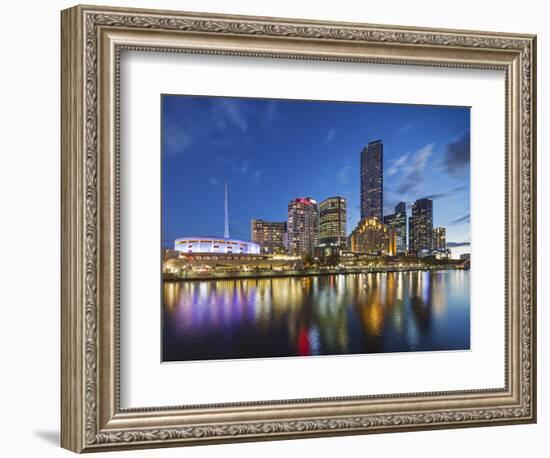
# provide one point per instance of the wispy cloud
(228, 112)
(213, 182)
(460, 188)
(331, 134)
(243, 166)
(257, 176)
(437, 195)
(405, 128)
(398, 164)
(269, 114)
(177, 138)
(219, 124)
(249, 172)
(457, 156)
(343, 174)
(447, 193)
(413, 170)
(462, 220)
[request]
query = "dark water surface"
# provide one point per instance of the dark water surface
(318, 315)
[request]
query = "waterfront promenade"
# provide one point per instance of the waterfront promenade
(170, 277)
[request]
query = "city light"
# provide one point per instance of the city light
(315, 239)
(333, 247)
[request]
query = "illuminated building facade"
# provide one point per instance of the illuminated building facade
(397, 224)
(303, 226)
(370, 236)
(439, 238)
(372, 180)
(421, 226)
(270, 235)
(353, 259)
(332, 226)
(204, 263)
(391, 242)
(442, 254)
(215, 245)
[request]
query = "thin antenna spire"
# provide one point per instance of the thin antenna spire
(226, 231)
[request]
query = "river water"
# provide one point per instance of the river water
(316, 315)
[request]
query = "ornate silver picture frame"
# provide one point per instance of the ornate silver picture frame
(93, 39)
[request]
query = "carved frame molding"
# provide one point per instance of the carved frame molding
(92, 40)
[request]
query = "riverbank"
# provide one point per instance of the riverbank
(192, 276)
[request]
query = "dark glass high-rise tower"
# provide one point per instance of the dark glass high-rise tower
(439, 238)
(401, 207)
(332, 225)
(397, 222)
(421, 226)
(372, 180)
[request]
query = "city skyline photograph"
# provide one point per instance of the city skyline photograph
(308, 228)
(254, 145)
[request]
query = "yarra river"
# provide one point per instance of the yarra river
(316, 315)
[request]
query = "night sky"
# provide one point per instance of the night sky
(271, 151)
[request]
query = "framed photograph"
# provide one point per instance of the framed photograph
(277, 228)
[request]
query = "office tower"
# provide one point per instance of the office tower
(332, 225)
(439, 238)
(303, 226)
(372, 180)
(397, 223)
(421, 226)
(270, 235)
(370, 236)
(401, 207)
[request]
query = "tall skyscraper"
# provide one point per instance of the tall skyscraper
(397, 223)
(332, 225)
(401, 207)
(421, 226)
(270, 235)
(372, 180)
(439, 238)
(303, 226)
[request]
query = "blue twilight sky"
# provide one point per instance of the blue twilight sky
(271, 151)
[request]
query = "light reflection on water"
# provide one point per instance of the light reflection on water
(317, 315)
